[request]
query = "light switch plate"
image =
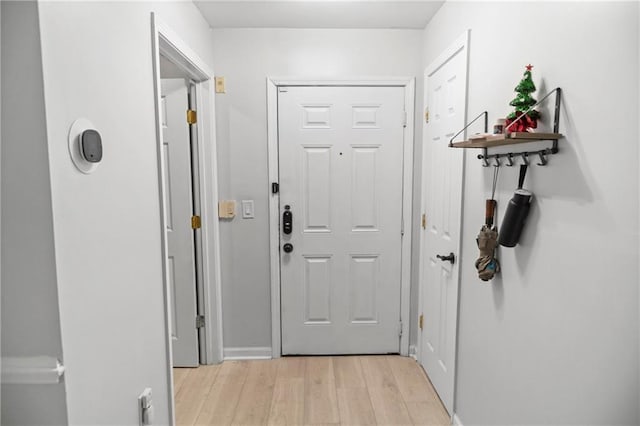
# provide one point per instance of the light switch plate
(227, 209)
(248, 209)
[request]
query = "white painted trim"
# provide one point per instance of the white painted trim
(407, 221)
(462, 42)
(413, 352)
(357, 81)
(274, 223)
(459, 43)
(31, 370)
(247, 353)
(165, 40)
(455, 420)
(274, 216)
(210, 231)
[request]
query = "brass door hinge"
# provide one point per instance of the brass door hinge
(421, 321)
(426, 115)
(195, 222)
(424, 221)
(192, 116)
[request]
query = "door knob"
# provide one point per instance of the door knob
(450, 258)
(288, 248)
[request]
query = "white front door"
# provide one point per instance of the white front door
(341, 169)
(180, 236)
(443, 169)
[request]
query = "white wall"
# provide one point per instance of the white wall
(96, 63)
(30, 317)
(554, 339)
(246, 57)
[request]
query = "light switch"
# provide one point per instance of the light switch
(227, 209)
(247, 209)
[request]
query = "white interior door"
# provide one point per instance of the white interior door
(443, 167)
(341, 168)
(180, 235)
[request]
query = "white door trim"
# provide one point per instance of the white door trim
(167, 42)
(274, 217)
(462, 42)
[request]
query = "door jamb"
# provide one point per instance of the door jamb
(166, 42)
(274, 199)
(462, 42)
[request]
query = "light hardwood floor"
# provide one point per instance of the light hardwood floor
(342, 390)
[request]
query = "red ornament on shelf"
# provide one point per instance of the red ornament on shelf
(523, 125)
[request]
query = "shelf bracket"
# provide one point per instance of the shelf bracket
(486, 125)
(556, 114)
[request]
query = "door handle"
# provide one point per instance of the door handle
(287, 220)
(447, 258)
(288, 248)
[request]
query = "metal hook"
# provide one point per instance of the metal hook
(510, 160)
(525, 158)
(485, 162)
(498, 164)
(543, 159)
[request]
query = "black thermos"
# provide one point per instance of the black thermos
(514, 218)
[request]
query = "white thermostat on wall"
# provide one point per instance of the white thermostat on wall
(85, 145)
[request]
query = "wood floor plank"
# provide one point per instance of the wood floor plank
(193, 392)
(314, 391)
(348, 372)
(320, 400)
(386, 400)
(179, 376)
(428, 413)
(389, 407)
(377, 371)
(292, 367)
(355, 406)
(220, 405)
(257, 393)
(287, 405)
(412, 383)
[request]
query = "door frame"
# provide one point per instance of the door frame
(273, 83)
(166, 42)
(461, 43)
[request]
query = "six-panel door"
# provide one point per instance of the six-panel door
(340, 157)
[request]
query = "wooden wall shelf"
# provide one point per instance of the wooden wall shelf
(485, 141)
(512, 138)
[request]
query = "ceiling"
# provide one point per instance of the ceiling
(405, 14)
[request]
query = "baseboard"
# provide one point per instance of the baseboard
(456, 420)
(413, 352)
(247, 353)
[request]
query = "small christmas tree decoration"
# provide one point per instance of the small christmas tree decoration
(522, 102)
